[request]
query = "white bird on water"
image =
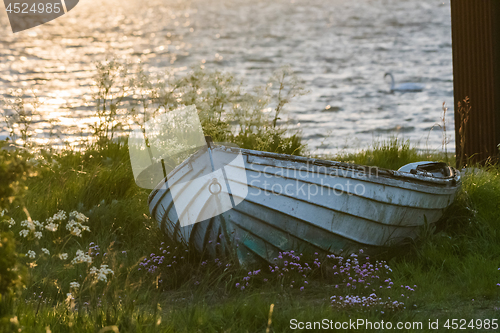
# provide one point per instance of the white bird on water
(404, 87)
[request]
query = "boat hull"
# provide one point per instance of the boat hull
(285, 202)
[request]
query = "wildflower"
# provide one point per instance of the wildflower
(76, 227)
(59, 216)
(63, 256)
(28, 224)
(76, 232)
(74, 285)
(38, 234)
(31, 254)
(24, 233)
(81, 257)
(11, 223)
(101, 273)
(78, 216)
(51, 227)
(46, 251)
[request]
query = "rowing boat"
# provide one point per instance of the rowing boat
(262, 203)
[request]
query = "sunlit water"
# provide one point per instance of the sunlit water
(339, 49)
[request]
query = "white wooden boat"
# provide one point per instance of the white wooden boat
(283, 202)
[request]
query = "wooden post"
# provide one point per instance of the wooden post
(475, 26)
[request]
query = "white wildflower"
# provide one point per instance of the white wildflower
(52, 227)
(28, 224)
(78, 216)
(11, 223)
(38, 234)
(31, 254)
(81, 257)
(46, 251)
(76, 232)
(2, 213)
(101, 273)
(24, 233)
(60, 215)
(63, 256)
(76, 228)
(74, 285)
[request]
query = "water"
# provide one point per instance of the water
(339, 49)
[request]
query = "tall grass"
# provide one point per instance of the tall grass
(391, 153)
(227, 113)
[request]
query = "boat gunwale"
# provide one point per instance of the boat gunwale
(451, 183)
(351, 193)
(352, 166)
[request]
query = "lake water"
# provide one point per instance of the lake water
(339, 49)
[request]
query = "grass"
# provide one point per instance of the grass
(156, 285)
(455, 268)
(391, 153)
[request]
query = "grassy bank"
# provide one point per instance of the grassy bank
(97, 262)
(453, 270)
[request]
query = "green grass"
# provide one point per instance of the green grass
(455, 266)
(391, 153)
